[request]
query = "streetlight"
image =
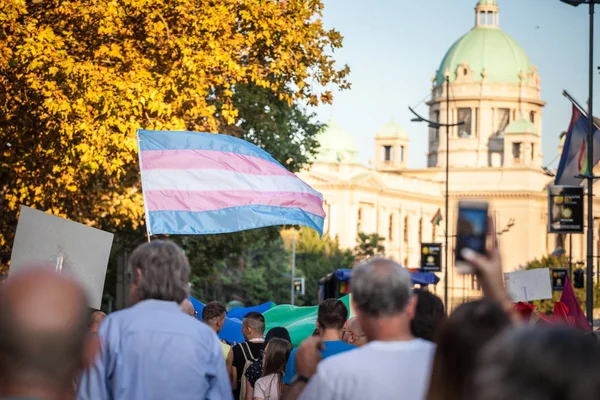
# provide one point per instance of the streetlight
(438, 125)
(590, 155)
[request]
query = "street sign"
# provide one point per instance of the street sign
(431, 257)
(565, 209)
(558, 278)
(299, 286)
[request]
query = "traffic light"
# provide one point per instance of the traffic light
(299, 286)
(578, 278)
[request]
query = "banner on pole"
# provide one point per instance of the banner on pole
(565, 209)
(431, 257)
(559, 278)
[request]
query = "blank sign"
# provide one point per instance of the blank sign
(67, 246)
(530, 285)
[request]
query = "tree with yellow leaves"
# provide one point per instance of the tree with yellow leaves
(78, 77)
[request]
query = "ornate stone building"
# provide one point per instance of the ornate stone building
(496, 155)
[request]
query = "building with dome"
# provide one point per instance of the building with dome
(496, 155)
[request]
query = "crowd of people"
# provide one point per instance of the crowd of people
(399, 345)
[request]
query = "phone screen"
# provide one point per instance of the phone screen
(471, 229)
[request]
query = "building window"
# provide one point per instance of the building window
(464, 114)
(434, 234)
(490, 18)
(532, 152)
(421, 230)
(406, 229)
(482, 18)
(503, 118)
(516, 150)
(532, 116)
(436, 118)
(359, 222)
(401, 153)
(391, 228)
(388, 153)
(476, 126)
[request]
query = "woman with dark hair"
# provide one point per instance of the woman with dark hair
(254, 372)
(541, 363)
(270, 386)
(463, 335)
(429, 316)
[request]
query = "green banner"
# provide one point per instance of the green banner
(299, 321)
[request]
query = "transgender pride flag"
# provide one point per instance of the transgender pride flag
(203, 183)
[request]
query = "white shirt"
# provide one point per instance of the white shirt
(267, 388)
(378, 370)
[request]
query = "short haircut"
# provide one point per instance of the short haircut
(278, 332)
(429, 316)
(31, 355)
(256, 321)
(213, 311)
(165, 271)
(332, 314)
(381, 287)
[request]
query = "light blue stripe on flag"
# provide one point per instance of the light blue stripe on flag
(230, 220)
(182, 140)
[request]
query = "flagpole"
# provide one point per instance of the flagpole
(590, 178)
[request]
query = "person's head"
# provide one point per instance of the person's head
(213, 314)
(253, 325)
(538, 363)
(188, 308)
(159, 270)
(353, 333)
(44, 334)
(96, 319)
(429, 315)
(278, 332)
(383, 299)
(463, 335)
(276, 356)
(331, 316)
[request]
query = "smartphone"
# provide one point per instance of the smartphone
(471, 232)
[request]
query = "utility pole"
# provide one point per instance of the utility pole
(437, 125)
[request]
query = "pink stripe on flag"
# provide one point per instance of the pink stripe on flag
(210, 159)
(176, 200)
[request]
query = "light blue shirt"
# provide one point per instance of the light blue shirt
(331, 349)
(154, 351)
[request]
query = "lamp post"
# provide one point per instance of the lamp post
(590, 155)
(437, 125)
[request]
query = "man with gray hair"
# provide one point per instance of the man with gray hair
(392, 365)
(152, 350)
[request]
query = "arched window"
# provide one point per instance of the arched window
(391, 228)
(359, 221)
(406, 229)
(421, 230)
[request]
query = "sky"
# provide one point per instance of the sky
(394, 47)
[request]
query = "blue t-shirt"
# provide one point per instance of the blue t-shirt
(331, 349)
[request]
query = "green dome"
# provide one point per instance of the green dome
(521, 125)
(489, 48)
(487, 2)
(392, 130)
(336, 145)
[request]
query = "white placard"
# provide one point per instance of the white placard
(530, 285)
(64, 245)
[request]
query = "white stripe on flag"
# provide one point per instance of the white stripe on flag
(211, 180)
